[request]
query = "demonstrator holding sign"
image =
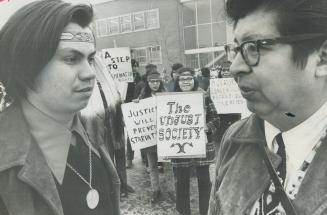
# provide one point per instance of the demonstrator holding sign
(186, 82)
(153, 85)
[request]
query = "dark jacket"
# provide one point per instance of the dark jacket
(241, 175)
(27, 186)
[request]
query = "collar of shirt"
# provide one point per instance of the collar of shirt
(299, 140)
(53, 138)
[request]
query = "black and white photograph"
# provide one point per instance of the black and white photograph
(163, 107)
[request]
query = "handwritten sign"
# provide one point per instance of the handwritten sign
(180, 125)
(140, 121)
(118, 62)
(227, 97)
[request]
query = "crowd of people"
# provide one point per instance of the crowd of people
(63, 148)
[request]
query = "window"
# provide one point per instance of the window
(190, 37)
(126, 23)
(113, 25)
(204, 37)
(203, 11)
(189, 13)
(204, 31)
(102, 29)
(139, 21)
(139, 54)
(152, 17)
(145, 55)
(192, 60)
(219, 33)
(154, 53)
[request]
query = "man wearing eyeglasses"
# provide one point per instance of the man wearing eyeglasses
(274, 162)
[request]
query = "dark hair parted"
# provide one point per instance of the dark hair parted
(147, 89)
(30, 38)
(293, 17)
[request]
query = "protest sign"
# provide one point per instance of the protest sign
(227, 97)
(118, 62)
(140, 121)
(180, 125)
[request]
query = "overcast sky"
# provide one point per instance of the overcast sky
(8, 8)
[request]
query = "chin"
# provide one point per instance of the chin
(260, 108)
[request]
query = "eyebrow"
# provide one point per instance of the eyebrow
(251, 37)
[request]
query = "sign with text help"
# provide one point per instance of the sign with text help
(140, 121)
(180, 125)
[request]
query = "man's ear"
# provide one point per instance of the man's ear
(321, 69)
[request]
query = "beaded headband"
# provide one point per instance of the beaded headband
(77, 37)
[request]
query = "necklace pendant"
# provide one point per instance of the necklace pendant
(92, 199)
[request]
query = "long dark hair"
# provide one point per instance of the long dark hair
(30, 38)
(178, 89)
(147, 89)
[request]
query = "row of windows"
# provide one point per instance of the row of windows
(137, 21)
(145, 55)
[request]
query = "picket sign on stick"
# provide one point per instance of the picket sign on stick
(227, 97)
(180, 125)
(140, 122)
(118, 64)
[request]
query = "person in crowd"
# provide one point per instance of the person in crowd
(103, 120)
(153, 85)
(274, 162)
(171, 84)
(226, 119)
(186, 82)
(205, 79)
(48, 164)
(133, 91)
(148, 68)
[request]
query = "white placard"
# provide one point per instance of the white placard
(118, 64)
(227, 97)
(140, 121)
(180, 125)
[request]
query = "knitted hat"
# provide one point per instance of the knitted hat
(185, 71)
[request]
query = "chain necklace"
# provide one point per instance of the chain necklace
(92, 197)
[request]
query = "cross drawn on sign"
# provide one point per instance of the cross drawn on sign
(181, 146)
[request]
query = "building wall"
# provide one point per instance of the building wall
(168, 36)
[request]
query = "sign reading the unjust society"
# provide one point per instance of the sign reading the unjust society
(180, 125)
(140, 121)
(227, 97)
(118, 62)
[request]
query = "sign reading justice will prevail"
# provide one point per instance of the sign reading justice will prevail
(180, 125)
(140, 121)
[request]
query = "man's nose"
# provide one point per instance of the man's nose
(239, 66)
(87, 71)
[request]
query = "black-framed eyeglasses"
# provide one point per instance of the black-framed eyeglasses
(250, 50)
